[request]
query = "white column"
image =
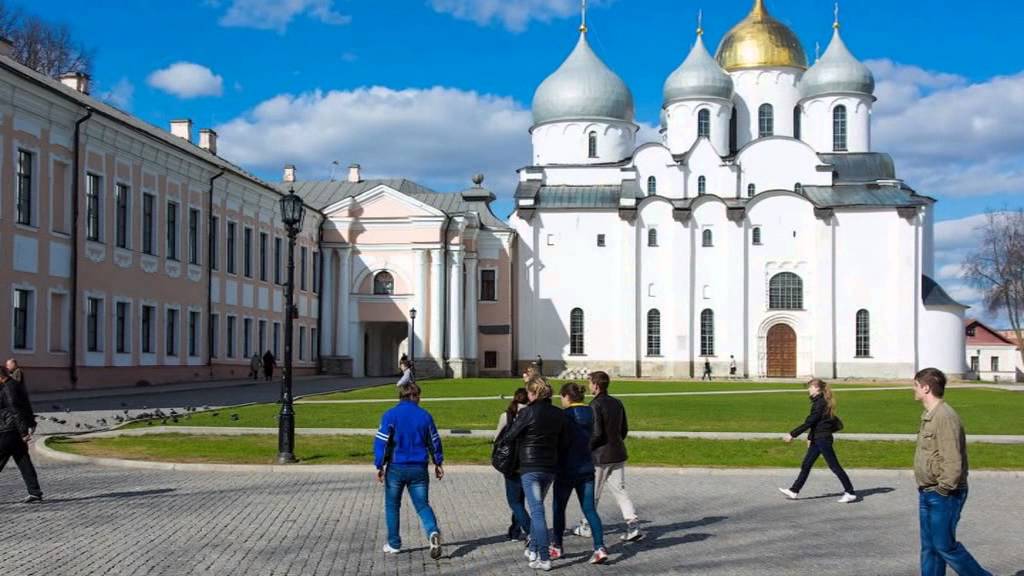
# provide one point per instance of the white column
(471, 305)
(436, 316)
(344, 316)
(328, 296)
(420, 301)
(456, 351)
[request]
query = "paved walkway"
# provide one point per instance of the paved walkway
(108, 521)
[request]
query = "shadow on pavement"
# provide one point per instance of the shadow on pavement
(464, 548)
(862, 494)
(655, 538)
(115, 495)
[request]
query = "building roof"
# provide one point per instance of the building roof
(933, 295)
(866, 194)
(849, 167)
(837, 72)
(760, 41)
(699, 76)
(322, 193)
(979, 334)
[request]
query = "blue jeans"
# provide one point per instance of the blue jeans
(517, 502)
(822, 447)
(939, 517)
(584, 488)
(417, 480)
(535, 485)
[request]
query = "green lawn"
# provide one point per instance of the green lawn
(643, 452)
(983, 411)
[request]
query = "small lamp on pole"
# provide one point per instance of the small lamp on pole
(412, 336)
(292, 213)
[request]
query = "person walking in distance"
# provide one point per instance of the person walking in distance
(576, 474)
(608, 447)
(17, 423)
(255, 366)
(514, 495)
(407, 375)
(402, 449)
(820, 424)
(732, 367)
(707, 370)
(268, 365)
(940, 468)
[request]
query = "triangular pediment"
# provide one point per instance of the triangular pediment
(382, 202)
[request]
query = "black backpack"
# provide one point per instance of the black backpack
(504, 454)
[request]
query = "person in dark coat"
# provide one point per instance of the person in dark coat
(576, 474)
(820, 424)
(268, 365)
(17, 423)
(540, 433)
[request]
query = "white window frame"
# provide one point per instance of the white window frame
(100, 202)
(30, 317)
(177, 230)
(149, 358)
(480, 284)
(128, 215)
(122, 358)
(230, 336)
(178, 353)
(95, 357)
(247, 341)
(33, 185)
(198, 236)
(194, 357)
(231, 245)
(155, 229)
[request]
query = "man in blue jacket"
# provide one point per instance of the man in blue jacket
(405, 442)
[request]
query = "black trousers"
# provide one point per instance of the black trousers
(822, 447)
(11, 444)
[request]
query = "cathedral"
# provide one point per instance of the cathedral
(762, 231)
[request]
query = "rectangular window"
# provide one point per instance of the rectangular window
(23, 191)
(247, 338)
(121, 327)
(92, 207)
(121, 195)
(316, 270)
(277, 339)
(193, 333)
(148, 314)
(172, 231)
(995, 364)
(172, 333)
(600, 240)
(58, 322)
(488, 286)
(193, 236)
(247, 252)
(148, 224)
(302, 268)
(974, 364)
(261, 337)
(314, 345)
(302, 342)
(22, 318)
(214, 223)
(93, 313)
(263, 256)
(214, 331)
(232, 230)
(277, 264)
(490, 359)
(231, 337)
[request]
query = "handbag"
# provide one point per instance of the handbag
(837, 424)
(504, 454)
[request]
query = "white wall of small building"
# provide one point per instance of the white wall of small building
(1008, 359)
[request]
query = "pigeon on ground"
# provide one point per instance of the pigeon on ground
(234, 417)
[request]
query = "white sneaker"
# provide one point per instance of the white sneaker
(847, 498)
(389, 550)
(583, 531)
(789, 493)
(435, 545)
(632, 533)
(530, 555)
(539, 564)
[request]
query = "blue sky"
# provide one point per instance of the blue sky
(436, 90)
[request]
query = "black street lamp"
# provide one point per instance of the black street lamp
(292, 212)
(412, 337)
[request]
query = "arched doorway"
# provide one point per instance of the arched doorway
(781, 352)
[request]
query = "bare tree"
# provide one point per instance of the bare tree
(997, 268)
(45, 47)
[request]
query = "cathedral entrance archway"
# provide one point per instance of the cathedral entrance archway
(781, 351)
(383, 344)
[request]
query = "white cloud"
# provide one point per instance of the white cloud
(187, 80)
(278, 14)
(514, 15)
(120, 94)
(955, 240)
(438, 136)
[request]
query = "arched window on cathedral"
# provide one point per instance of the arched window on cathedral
(592, 145)
(839, 129)
(733, 133)
(707, 332)
(652, 185)
(707, 238)
(751, 190)
(785, 292)
(765, 121)
(863, 334)
(798, 188)
(755, 235)
(383, 283)
(796, 122)
(702, 185)
(576, 331)
(704, 124)
(652, 237)
(654, 332)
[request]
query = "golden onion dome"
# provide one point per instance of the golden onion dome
(760, 41)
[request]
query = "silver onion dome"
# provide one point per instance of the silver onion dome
(699, 76)
(837, 71)
(583, 87)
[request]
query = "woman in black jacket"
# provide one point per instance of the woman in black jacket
(16, 425)
(820, 424)
(539, 431)
(520, 523)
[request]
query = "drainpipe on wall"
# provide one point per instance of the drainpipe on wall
(320, 295)
(75, 179)
(209, 275)
(444, 318)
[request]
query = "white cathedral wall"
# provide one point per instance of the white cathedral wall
(681, 123)
(816, 122)
(704, 161)
(655, 160)
(943, 340)
(760, 165)
(775, 86)
(663, 283)
(714, 283)
(568, 142)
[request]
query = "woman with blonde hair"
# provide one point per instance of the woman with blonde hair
(820, 424)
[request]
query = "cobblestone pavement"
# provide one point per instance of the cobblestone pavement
(109, 521)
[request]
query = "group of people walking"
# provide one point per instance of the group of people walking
(581, 449)
(262, 366)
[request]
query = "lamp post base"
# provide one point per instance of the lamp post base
(287, 458)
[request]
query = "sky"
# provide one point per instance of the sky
(437, 90)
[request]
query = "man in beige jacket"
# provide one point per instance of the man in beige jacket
(940, 468)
